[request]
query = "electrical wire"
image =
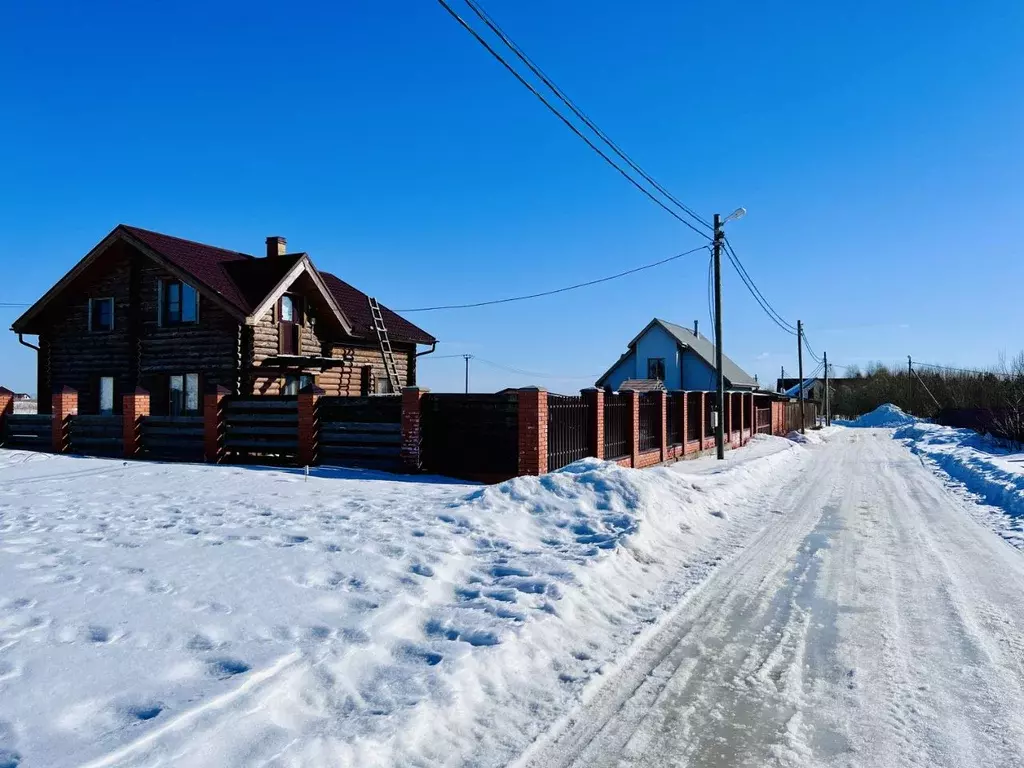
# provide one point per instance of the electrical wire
(554, 110)
(711, 301)
(13, 304)
(531, 373)
(774, 316)
(915, 364)
(556, 290)
(497, 30)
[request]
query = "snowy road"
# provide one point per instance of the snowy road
(876, 624)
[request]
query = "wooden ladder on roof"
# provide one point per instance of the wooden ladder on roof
(390, 366)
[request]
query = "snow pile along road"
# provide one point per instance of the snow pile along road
(887, 415)
(980, 466)
(174, 614)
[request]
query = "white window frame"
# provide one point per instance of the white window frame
(189, 382)
(89, 318)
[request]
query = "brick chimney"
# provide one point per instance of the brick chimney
(276, 246)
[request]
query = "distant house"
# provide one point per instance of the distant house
(677, 357)
(176, 317)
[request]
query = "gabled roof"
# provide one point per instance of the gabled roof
(239, 281)
(701, 346)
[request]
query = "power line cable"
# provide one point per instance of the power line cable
(462, 22)
(497, 30)
(711, 301)
(531, 373)
(556, 290)
(773, 315)
(953, 368)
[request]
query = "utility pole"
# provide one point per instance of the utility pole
(720, 377)
(800, 361)
(468, 358)
(910, 383)
(828, 418)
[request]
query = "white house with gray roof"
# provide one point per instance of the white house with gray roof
(679, 357)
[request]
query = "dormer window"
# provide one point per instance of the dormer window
(101, 315)
(180, 303)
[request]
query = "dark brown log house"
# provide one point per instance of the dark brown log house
(176, 317)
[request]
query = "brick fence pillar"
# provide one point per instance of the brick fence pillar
(533, 431)
(743, 415)
(134, 407)
(594, 399)
(213, 424)
(663, 423)
(412, 428)
(64, 405)
(6, 409)
(685, 416)
(633, 406)
(309, 426)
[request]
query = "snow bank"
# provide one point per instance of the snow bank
(980, 466)
(175, 614)
(887, 415)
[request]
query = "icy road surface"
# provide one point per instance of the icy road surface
(877, 623)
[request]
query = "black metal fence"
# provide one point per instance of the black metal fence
(360, 431)
(470, 436)
(693, 417)
(569, 437)
(650, 420)
(261, 428)
(93, 435)
(28, 432)
(176, 438)
(674, 414)
(617, 426)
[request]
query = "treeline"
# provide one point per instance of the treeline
(991, 401)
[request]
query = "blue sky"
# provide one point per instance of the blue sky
(875, 145)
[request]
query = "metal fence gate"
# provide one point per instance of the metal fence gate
(569, 437)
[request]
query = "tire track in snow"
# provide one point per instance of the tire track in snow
(703, 651)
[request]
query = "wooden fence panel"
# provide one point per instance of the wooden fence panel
(172, 438)
(264, 428)
(28, 432)
(92, 435)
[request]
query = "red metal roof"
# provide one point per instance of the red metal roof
(244, 280)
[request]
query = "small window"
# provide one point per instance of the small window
(382, 386)
(106, 395)
(180, 303)
(287, 309)
(183, 394)
(656, 368)
(295, 384)
(101, 314)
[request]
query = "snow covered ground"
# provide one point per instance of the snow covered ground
(979, 466)
(873, 624)
(174, 614)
